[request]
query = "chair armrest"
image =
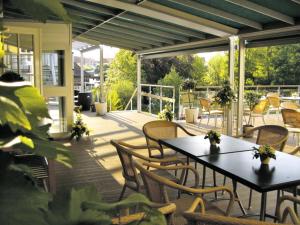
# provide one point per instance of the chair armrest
(287, 210)
(133, 146)
(185, 130)
(182, 167)
(295, 151)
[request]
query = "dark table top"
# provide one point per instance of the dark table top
(281, 173)
(196, 146)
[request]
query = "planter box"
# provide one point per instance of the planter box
(101, 108)
(191, 115)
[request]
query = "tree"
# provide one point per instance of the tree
(123, 67)
(217, 70)
(199, 70)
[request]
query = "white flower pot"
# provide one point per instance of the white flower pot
(191, 115)
(101, 108)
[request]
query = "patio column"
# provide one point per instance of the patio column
(240, 109)
(81, 73)
(138, 82)
(231, 63)
(101, 74)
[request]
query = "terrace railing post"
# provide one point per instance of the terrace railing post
(160, 99)
(174, 100)
(150, 100)
(139, 90)
(241, 78)
(298, 90)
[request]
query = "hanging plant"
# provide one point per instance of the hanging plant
(225, 96)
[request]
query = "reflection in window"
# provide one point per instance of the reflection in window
(19, 55)
(56, 107)
(53, 68)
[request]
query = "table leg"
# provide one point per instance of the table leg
(215, 183)
(203, 176)
(263, 206)
(295, 195)
(237, 198)
(187, 171)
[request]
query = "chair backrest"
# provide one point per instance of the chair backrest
(272, 94)
(290, 105)
(261, 107)
(205, 104)
(159, 129)
(274, 101)
(271, 135)
(155, 188)
(129, 171)
(291, 117)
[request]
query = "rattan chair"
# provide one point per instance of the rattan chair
(205, 105)
(161, 129)
(166, 209)
(274, 103)
(132, 178)
(272, 94)
(291, 120)
(259, 111)
(289, 105)
(202, 218)
(156, 185)
(273, 135)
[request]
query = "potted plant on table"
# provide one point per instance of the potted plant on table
(214, 137)
(252, 99)
(191, 113)
(265, 153)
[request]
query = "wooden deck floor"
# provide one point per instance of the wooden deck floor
(95, 161)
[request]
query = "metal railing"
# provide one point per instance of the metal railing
(130, 100)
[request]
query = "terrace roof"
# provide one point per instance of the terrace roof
(154, 26)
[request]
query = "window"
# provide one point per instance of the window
(56, 107)
(53, 68)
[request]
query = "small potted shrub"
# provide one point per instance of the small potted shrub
(100, 100)
(214, 137)
(79, 128)
(252, 99)
(265, 153)
(225, 96)
(166, 113)
(191, 113)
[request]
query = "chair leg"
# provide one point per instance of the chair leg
(263, 118)
(250, 199)
(215, 120)
(208, 117)
(224, 183)
(122, 193)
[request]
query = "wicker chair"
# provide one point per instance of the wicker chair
(274, 102)
(291, 120)
(272, 94)
(259, 111)
(289, 105)
(155, 186)
(206, 110)
(160, 129)
(132, 178)
(207, 219)
(273, 135)
(166, 209)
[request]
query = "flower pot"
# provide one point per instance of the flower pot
(191, 115)
(247, 128)
(101, 108)
(213, 142)
(265, 161)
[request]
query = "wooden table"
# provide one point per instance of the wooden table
(236, 161)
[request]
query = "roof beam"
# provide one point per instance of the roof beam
(149, 30)
(84, 21)
(116, 33)
(88, 7)
(219, 13)
(184, 20)
(263, 10)
(136, 33)
(91, 48)
(84, 14)
(296, 1)
(109, 42)
(118, 39)
(166, 27)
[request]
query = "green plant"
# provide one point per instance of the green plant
(79, 128)
(22, 112)
(225, 96)
(264, 152)
(252, 99)
(213, 136)
(189, 85)
(166, 113)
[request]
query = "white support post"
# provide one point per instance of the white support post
(81, 73)
(231, 62)
(101, 74)
(138, 81)
(241, 86)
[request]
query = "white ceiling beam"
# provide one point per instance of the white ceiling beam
(296, 1)
(195, 23)
(263, 10)
(219, 13)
